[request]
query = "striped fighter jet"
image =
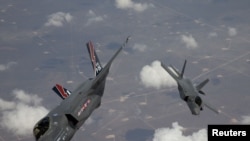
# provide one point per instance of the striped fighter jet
(62, 122)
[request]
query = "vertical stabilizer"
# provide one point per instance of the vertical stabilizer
(96, 64)
(105, 70)
(183, 69)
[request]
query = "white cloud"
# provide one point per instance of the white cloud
(189, 41)
(7, 66)
(129, 4)
(58, 19)
(139, 47)
(93, 18)
(176, 134)
(6, 105)
(232, 31)
(28, 99)
(20, 116)
(155, 76)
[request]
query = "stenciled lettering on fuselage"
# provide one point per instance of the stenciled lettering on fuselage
(84, 106)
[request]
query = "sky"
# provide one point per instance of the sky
(44, 42)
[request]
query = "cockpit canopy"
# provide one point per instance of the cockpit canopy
(41, 127)
(198, 100)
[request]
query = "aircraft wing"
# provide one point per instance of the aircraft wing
(211, 108)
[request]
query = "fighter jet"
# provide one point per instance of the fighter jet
(188, 91)
(62, 122)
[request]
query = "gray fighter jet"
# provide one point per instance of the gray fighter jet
(61, 123)
(188, 91)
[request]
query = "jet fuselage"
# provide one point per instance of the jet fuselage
(190, 95)
(61, 123)
(65, 119)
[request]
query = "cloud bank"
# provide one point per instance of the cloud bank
(189, 41)
(176, 134)
(155, 76)
(20, 115)
(129, 4)
(7, 66)
(58, 19)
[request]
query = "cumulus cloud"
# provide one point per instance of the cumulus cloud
(232, 31)
(155, 76)
(20, 115)
(176, 134)
(7, 66)
(93, 18)
(58, 19)
(6, 105)
(189, 41)
(129, 4)
(140, 47)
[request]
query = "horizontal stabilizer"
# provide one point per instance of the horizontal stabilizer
(61, 91)
(173, 72)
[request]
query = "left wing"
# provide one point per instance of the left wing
(61, 91)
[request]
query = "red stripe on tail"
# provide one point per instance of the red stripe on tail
(61, 90)
(92, 55)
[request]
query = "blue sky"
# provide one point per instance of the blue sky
(43, 43)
